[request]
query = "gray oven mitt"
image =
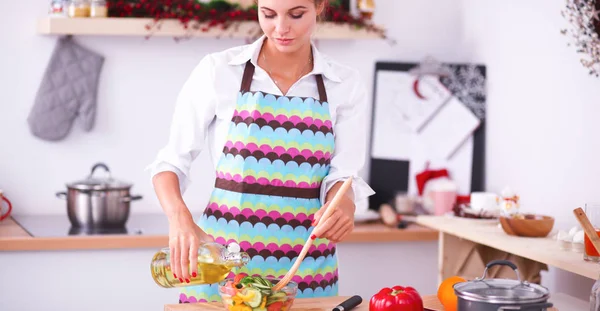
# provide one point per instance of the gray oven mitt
(67, 91)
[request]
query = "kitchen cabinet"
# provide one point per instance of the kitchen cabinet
(52, 232)
(118, 267)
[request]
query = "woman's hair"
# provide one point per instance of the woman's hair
(317, 2)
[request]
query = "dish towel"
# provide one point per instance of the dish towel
(67, 91)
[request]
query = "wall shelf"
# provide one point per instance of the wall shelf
(173, 28)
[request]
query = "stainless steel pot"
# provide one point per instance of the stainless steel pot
(98, 202)
(484, 294)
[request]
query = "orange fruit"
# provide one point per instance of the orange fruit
(446, 294)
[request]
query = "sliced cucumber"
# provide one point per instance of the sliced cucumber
(256, 297)
(278, 295)
(265, 282)
(275, 297)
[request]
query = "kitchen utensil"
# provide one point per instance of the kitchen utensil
(590, 232)
(330, 208)
(388, 215)
(348, 303)
(4, 215)
(527, 225)
(98, 202)
(484, 294)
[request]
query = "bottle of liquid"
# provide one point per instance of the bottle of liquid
(215, 261)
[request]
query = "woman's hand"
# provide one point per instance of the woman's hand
(340, 223)
(184, 238)
(184, 235)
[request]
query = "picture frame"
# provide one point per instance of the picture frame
(390, 176)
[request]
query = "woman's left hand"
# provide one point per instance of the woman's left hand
(339, 224)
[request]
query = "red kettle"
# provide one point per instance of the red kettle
(4, 214)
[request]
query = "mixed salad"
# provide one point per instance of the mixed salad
(254, 293)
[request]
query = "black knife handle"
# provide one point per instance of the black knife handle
(349, 303)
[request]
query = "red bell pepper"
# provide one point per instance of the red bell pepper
(397, 298)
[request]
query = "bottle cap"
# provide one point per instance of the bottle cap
(234, 247)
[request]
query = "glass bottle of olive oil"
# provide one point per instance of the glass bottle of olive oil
(215, 261)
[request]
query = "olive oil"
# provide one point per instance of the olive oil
(215, 262)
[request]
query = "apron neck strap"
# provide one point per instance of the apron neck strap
(321, 88)
(247, 77)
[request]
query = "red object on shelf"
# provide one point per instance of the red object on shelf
(426, 175)
(7, 213)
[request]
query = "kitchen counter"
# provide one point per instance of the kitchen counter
(430, 303)
(314, 304)
(53, 232)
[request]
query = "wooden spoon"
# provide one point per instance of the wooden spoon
(330, 208)
(587, 227)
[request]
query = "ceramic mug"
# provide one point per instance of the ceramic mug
(443, 201)
(4, 215)
(484, 201)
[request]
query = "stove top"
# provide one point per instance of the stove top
(60, 226)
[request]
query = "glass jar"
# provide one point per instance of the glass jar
(79, 8)
(57, 8)
(366, 8)
(98, 8)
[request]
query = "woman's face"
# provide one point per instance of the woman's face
(287, 23)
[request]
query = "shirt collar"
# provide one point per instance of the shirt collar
(250, 52)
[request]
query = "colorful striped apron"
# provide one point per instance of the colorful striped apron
(277, 152)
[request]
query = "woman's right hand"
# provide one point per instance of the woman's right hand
(184, 238)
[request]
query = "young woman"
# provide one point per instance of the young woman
(284, 126)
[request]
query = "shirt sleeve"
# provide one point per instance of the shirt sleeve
(350, 143)
(195, 108)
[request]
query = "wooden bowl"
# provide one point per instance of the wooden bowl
(527, 225)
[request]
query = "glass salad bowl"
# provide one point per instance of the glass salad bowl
(255, 293)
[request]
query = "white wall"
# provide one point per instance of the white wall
(536, 85)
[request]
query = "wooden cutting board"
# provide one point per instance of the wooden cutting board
(430, 302)
(303, 304)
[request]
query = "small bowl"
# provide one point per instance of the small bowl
(231, 296)
(527, 225)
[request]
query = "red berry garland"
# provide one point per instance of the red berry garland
(217, 13)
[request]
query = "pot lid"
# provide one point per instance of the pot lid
(99, 183)
(501, 290)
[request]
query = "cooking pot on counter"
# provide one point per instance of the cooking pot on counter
(484, 294)
(98, 202)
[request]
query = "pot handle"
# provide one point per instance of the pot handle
(131, 198)
(61, 195)
(97, 165)
(501, 262)
(534, 306)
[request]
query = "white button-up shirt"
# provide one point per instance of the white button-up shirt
(206, 103)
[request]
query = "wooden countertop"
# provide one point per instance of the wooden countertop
(430, 303)
(15, 237)
(544, 250)
(313, 304)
